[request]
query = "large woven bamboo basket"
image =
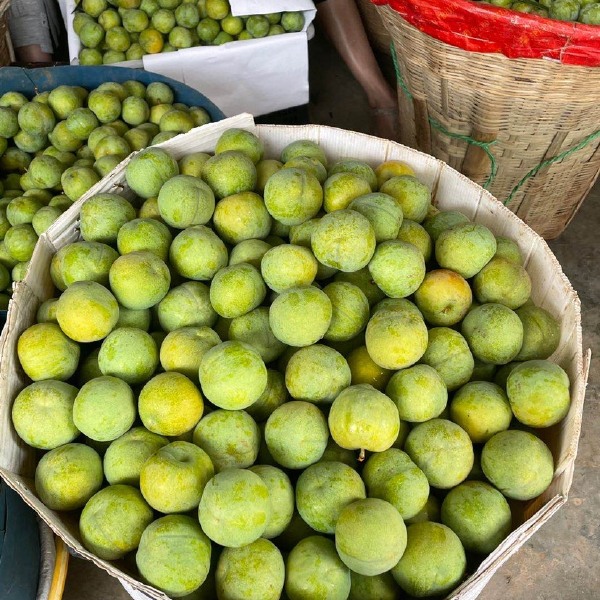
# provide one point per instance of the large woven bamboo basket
(6, 49)
(376, 31)
(531, 109)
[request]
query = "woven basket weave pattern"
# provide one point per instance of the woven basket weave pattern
(534, 109)
(376, 31)
(6, 56)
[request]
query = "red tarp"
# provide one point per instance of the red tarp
(479, 27)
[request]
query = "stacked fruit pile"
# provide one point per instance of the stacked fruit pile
(118, 30)
(584, 11)
(57, 145)
(230, 375)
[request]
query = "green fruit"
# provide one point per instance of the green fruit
(275, 395)
(564, 10)
(504, 282)
(174, 555)
(198, 253)
(85, 261)
(20, 210)
(144, 234)
(292, 21)
(413, 197)
(36, 118)
(149, 170)
(241, 217)
(433, 563)
(541, 333)
(76, 181)
(234, 509)
(350, 311)
(257, 26)
(518, 463)
(20, 241)
(323, 490)
(508, 250)
(314, 570)
(68, 476)
(9, 124)
(229, 173)
(377, 587)
(237, 290)
(254, 329)
(383, 212)
(242, 141)
(184, 201)
(340, 189)
(44, 218)
(42, 414)
(287, 266)
(186, 305)
(370, 536)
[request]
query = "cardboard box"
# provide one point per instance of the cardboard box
(256, 76)
(451, 191)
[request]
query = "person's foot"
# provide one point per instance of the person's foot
(386, 123)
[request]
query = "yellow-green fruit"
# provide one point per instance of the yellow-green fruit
(413, 197)
(177, 121)
(112, 145)
(198, 253)
(377, 587)
(494, 333)
(230, 437)
(322, 492)
(444, 297)
(229, 173)
(144, 234)
(357, 167)
(287, 316)
(287, 266)
(435, 224)
(310, 165)
(186, 305)
(87, 311)
(44, 218)
(365, 370)
(509, 250)
(105, 105)
(383, 212)
(85, 261)
(465, 248)
(314, 570)
(42, 414)
(9, 125)
(149, 170)
(173, 478)
(419, 393)
(430, 512)
(237, 290)
(174, 555)
(274, 396)
(449, 354)
(504, 282)
(20, 242)
(340, 189)
(241, 217)
(370, 536)
(46, 313)
(293, 196)
(541, 333)
(45, 352)
(353, 413)
(184, 201)
(170, 404)
(442, 450)
(76, 181)
(396, 339)
(139, 279)
(35, 118)
(478, 514)
(362, 279)
(350, 311)
(433, 563)
(253, 572)
(68, 476)
(254, 329)
(304, 148)
(481, 409)
(397, 268)
(344, 240)
(104, 409)
(281, 498)
(113, 520)
(182, 350)
(264, 170)
(242, 141)
(129, 354)
(21, 209)
(518, 463)
(317, 374)
(124, 458)
(191, 164)
(158, 92)
(392, 476)
(233, 375)
(538, 391)
(234, 509)
(45, 171)
(29, 142)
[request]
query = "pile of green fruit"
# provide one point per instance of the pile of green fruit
(118, 30)
(56, 146)
(250, 359)
(583, 11)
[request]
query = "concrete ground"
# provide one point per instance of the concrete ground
(561, 561)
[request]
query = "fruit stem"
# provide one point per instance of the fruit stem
(361, 456)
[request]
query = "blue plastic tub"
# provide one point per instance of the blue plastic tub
(30, 81)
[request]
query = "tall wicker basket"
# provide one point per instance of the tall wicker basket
(531, 109)
(376, 31)
(6, 49)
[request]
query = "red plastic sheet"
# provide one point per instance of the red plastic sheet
(479, 27)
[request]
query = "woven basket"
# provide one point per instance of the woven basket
(6, 50)
(533, 110)
(376, 32)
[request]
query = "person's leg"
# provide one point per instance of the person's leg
(29, 27)
(341, 23)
